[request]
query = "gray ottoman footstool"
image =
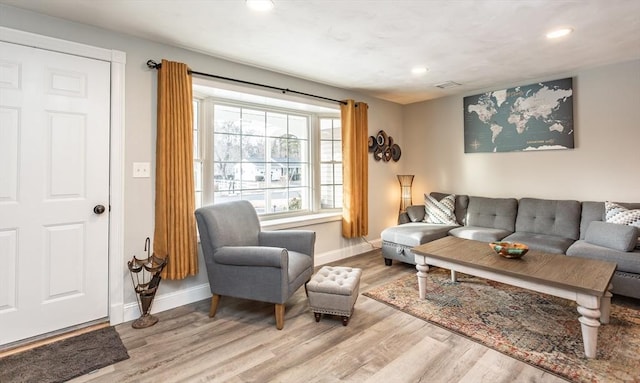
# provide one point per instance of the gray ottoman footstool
(334, 290)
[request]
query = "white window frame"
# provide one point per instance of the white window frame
(315, 214)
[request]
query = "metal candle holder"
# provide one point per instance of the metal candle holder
(146, 285)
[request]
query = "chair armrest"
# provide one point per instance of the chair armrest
(302, 241)
(251, 256)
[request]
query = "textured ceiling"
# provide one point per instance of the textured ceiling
(371, 46)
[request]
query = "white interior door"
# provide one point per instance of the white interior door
(54, 169)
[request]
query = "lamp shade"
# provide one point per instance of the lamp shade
(406, 181)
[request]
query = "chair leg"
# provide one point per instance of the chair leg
(279, 316)
(215, 299)
(305, 288)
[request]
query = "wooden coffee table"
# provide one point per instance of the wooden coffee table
(585, 281)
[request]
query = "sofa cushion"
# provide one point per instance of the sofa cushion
(414, 233)
(479, 233)
(496, 213)
(542, 242)
(612, 235)
(440, 212)
(627, 261)
(560, 218)
(416, 213)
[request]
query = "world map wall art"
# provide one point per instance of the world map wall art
(531, 117)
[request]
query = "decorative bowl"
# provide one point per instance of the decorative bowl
(509, 249)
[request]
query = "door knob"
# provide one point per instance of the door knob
(98, 209)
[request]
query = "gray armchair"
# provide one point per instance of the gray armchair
(244, 262)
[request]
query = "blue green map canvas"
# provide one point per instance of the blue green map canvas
(531, 117)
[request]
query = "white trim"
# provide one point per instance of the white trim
(116, 199)
(346, 252)
(300, 221)
(163, 302)
(57, 45)
(116, 151)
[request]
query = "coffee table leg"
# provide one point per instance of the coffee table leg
(454, 276)
(422, 268)
(605, 306)
(588, 307)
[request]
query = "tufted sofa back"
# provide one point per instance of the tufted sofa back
(497, 213)
(560, 218)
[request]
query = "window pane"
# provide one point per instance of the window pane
(298, 126)
(196, 131)
(253, 148)
(337, 174)
(297, 200)
(326, 127)
(253, 122)
(337, 151)
(326, 150)
(220, 197)
(227, 119)
(337, 198)
(276, 124)
(197, 178)
(223, 171)
(295, 172)
(337, 130)
(326, 197)
(295, 148)
(326, 174)
(226, 147)
(279, 150)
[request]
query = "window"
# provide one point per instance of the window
(282, 156)
(330, 163)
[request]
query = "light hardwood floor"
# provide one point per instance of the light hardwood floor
(241, 344)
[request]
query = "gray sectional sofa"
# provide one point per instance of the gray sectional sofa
(566, 227)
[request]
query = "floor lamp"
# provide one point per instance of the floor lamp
(405, 191)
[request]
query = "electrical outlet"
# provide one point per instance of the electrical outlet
(141, 170)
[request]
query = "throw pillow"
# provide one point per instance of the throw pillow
(615, 213)
(440, 212)
(612, 235)
(415, 213)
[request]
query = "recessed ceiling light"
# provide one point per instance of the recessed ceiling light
(419, 70)
(448, 84)
(559, 33)
(260, 5)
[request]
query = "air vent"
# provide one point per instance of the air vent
(447, 85)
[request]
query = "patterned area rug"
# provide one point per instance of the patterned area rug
(538, 329)
(65, 359)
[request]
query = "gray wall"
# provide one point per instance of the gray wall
(605, 164)
(140, 121)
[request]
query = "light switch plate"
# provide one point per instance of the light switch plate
(141, 170)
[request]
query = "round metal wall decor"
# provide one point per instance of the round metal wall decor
(383, 147)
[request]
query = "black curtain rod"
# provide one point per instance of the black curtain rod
(154, 65)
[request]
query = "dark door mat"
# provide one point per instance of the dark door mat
(65, 359)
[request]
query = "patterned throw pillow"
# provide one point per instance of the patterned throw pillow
(440, 212)
(614, 213)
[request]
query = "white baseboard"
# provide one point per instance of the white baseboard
(346, 252)
(169, 301)
(179, 298)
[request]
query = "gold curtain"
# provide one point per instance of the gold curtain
(355, 204)
(175, 227)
